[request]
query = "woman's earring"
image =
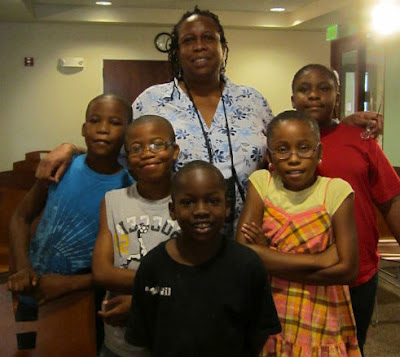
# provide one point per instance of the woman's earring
(270, 166)
(319, 161)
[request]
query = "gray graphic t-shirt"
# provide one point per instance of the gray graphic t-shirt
(137, 225)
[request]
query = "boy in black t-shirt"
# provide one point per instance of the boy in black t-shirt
(200, 294)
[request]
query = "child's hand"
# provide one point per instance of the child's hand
(23, 280)
(253, 234)
(116, 310)
(50, 287)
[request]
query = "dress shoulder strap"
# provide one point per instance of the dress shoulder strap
(326, 189)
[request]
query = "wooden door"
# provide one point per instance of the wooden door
(348, 59)
(129, 78)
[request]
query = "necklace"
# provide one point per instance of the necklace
(208, 141)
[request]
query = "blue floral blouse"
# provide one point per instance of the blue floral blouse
(248, 115)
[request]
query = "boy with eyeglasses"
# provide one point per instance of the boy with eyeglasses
(133, 221)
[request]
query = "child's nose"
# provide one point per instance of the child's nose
(200, 208)
(314, 93)
(146, 151)
(103, 127)
(294, 157)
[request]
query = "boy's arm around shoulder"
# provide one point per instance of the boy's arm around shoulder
(24, 277)
(52, 167)
(105, 274)
(345, 233)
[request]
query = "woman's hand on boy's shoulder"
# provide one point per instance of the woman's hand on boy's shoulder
(54, 164)
(366, 119)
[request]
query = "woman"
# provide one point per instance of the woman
(214, 119)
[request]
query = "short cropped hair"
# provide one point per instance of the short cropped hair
(194, 165)
(292, 115)
(125, 104)
(320, 67)
(144, 119)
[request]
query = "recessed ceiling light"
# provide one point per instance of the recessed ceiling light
(277, 9)
(104, 3)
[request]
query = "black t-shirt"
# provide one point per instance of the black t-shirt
(220, 308)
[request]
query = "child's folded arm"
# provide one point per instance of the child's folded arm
(346, 269)
(24, 277)
(294, 266)
(105, 274)
(53, 286)
(250, 233)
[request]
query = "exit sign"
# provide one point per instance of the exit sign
(331, 32)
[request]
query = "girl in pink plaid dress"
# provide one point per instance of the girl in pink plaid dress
(302, 226)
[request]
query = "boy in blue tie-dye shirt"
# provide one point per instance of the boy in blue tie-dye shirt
(57, 260)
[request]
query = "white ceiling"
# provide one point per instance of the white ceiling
(300, 14)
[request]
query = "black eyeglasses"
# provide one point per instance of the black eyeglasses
(304, 152)
(158, 146)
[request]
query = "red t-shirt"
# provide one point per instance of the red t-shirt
(363, 164)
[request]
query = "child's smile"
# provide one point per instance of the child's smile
(199, 206)
(150, 164)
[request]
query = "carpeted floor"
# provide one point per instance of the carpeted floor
(384, 334)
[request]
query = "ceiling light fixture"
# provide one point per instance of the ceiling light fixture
(277, 9)
(104, 3)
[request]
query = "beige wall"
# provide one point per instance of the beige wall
(41, 107)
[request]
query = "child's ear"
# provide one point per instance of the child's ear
(269, 160)
(83, 130)
(336, 108)
(320, 153)
(291, 99)
(171, 207)
(176, 151)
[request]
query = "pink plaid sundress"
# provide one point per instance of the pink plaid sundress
(316, 320)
